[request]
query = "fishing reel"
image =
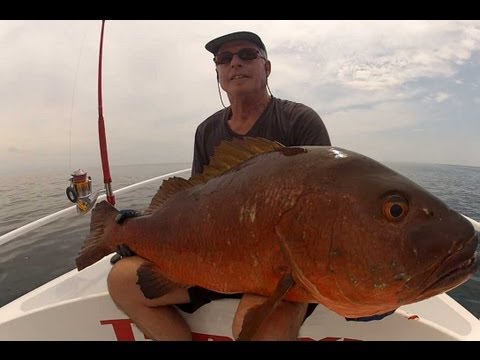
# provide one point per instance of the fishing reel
(80, 190)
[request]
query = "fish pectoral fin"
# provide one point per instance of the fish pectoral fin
(153, 283)
(291, 254)
(255, 317)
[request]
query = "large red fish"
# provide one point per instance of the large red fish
(312, 224)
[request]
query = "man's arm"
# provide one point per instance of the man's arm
(198, 153)
(308, 128)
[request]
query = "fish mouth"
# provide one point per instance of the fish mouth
(455, 269)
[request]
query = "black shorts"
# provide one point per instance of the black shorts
(200, 296)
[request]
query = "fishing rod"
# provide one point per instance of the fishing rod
(107, 179)
(80, 188)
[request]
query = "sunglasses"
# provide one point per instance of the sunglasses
(244, 54)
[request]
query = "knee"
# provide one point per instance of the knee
(122, 279)
(126, 293)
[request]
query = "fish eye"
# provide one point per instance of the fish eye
(395, 207)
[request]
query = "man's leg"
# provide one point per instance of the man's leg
(283, 324)
(155, 317)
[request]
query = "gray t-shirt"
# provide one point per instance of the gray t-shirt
(285, 121)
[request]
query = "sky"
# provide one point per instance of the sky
(392, 90)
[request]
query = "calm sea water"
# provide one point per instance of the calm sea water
(41, 255)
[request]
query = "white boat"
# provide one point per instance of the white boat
(77, 306)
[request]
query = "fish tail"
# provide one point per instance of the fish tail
(97, 245)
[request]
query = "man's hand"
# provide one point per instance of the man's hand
(127, 214)
(122, 251)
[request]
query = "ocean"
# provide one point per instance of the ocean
(49, 251)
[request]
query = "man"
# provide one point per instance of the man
(243, 69)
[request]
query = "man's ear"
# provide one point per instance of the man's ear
(268, 68)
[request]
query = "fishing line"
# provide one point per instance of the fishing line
(80, 189)
(73, 99)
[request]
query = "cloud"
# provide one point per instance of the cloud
(441, 97)
(376, 119)
(374, 55)
(158, 82)
(13, 149)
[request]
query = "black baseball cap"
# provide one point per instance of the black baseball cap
(215, 44)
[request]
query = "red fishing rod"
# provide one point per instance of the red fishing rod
(80, 189)
(107, 179)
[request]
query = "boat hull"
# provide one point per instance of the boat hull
(76, 306)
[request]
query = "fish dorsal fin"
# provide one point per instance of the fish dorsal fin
(226, 156)
(232, 153)
(169, 187)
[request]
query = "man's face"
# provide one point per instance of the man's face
(242, 76)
